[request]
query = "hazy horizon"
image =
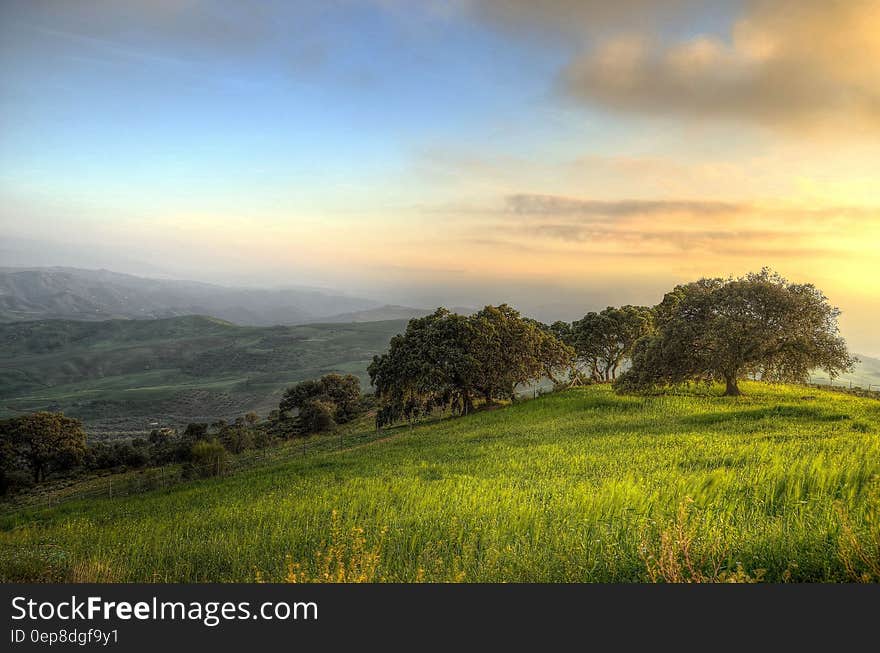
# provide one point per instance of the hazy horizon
(560, 158)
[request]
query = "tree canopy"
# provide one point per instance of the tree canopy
(446, 360)
(42, 442)
(725, 329)
(322, 403)
(604, 340)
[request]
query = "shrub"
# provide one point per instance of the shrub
(208, 458)
(237, 438)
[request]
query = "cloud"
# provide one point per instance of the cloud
(554, 205)
(778, 63)
(784, 64)
(673, 229)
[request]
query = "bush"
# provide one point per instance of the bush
(342, 392)
(237, 438)
(209, 458)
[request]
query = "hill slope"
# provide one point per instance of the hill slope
(390, 312)
(120, 375)
(70, 293)
(575, 486)
(387, 312)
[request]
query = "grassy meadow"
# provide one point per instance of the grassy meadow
(579, 486)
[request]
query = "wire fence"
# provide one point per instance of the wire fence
(115, 485)
(851, 384)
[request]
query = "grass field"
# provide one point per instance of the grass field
(119, 376)
(584, 485)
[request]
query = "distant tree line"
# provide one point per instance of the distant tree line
(44, 445)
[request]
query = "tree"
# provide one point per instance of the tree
(431, 365)
(508, 348)
(196, 431)
(44, 442)
(563, 332)
(556, 355)
(316, 415)
(237, 437)
(7, 463)
(604, 340)
(295, 396)
(444, 360)
(725, 329)
(343, 392)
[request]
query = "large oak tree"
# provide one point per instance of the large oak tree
(726, 329)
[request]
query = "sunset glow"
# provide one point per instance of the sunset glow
(459, 152)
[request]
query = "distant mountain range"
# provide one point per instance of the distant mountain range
(76, 294)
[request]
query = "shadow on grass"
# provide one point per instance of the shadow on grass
(810, 413)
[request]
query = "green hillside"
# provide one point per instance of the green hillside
(121, 375)
(780, 484)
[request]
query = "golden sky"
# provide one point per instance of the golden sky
(559, 155)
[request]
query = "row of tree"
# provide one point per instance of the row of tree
(711, 330)
(446, 361)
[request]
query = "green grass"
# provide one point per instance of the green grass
(576, 486)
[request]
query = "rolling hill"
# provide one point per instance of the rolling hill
(390, 312)
(387, 312)
(75, 294)
(778, 485)
(119, 376)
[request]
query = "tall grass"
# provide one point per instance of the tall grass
(577, 486)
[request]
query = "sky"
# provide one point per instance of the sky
(561, 156)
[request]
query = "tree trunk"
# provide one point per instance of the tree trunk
(732, 389)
